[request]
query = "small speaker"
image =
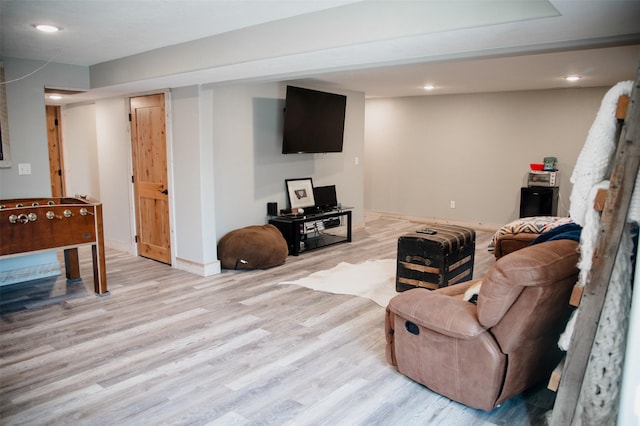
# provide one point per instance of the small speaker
(272, 209)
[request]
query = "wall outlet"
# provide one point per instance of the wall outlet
(452, 204)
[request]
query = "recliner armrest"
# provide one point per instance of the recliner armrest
(441, 313)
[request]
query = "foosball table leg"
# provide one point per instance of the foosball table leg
(72, 264)
(99, 271)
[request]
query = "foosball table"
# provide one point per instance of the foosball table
(30, 225)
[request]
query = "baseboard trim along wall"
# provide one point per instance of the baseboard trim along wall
(204, 270)
(120, 246)
(481, 226)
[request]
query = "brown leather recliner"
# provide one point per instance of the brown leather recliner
(481, 355)
(509, 243)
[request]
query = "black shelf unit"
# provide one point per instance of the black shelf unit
(539, 201)
(310, 232)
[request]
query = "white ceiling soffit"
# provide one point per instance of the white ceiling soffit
(95, 31)
(580, 25)
(597, 68)
(137, 46)
(360, 24)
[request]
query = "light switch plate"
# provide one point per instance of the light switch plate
(24, 168)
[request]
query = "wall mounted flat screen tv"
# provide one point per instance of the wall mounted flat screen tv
(313, 121)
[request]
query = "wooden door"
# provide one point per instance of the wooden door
(148, 138)
(55, 151)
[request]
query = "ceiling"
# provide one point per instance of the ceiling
(382, 48)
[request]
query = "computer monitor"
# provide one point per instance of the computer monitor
(325, 197)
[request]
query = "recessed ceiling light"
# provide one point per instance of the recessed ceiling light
(55, 97)
(429, 87)
(572, 78)
(46, 28)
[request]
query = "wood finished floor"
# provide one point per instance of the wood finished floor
(169, 347)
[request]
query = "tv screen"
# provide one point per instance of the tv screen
(313, 121)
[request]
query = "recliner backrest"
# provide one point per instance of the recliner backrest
(541, 265)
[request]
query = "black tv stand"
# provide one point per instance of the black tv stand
(309, 232)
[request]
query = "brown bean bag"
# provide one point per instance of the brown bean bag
(253, 247)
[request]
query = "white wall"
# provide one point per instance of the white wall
(114, 170)
(29, 145)
(96, 146)
(79, 148)
(193, 183)
(27, 122)
(423, 152)
(225, 164)
(249, 167)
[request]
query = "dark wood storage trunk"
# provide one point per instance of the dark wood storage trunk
(438, 260)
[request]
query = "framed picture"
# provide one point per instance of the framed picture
(300, 193)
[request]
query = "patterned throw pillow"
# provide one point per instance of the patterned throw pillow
(530, 225)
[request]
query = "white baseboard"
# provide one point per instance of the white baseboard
(204, 270)
(480, 226)
(120, 246)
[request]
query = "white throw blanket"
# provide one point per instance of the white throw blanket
(600, 389)
(596, 156)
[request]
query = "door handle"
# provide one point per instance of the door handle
(165, 192)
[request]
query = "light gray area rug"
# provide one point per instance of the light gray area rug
(373, 279)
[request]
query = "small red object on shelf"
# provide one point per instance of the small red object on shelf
(536, 166)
